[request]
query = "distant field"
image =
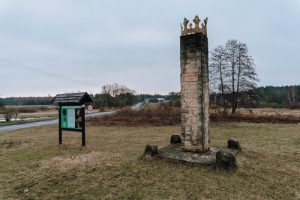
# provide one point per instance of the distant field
(270, 111)
(33, 166)
(41, 111)
(23, 122)
(35, 111)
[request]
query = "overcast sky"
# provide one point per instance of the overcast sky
(57, 46)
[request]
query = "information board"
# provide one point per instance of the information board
(71, 117)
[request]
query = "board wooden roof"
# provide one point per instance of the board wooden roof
(72, 98)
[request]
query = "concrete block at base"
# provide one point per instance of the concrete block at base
(225, 160)
(174, 152)
(175, 139)
(151, 150)
(234, 144)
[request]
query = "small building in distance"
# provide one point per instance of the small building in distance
(161, 100)
(154, 100)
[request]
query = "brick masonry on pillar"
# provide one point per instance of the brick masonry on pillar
(194, 86)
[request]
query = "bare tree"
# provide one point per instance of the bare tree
(218, 72)
(292, 97)
(231, 54)
(1, 103)
(233, 70)
(8, 113)
(116, 89)
(246, 74)
(16, 113)
(117, 95)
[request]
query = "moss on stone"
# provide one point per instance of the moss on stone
(151, 150)
(225, 160)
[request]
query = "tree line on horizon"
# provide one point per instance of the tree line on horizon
(264, 96)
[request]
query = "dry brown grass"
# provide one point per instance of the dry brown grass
(257, 115)
(270, 111)
(83, 161)
(34, 166)
(155, 114)
(165, 114)
(255, 118)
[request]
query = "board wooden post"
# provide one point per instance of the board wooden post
(83, 124)
(59, 126)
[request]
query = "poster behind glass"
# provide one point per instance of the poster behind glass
(71, 117)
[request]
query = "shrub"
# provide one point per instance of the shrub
(27, 109)
(8, 113)
(158, 114)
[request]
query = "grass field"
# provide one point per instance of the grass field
(34, 166)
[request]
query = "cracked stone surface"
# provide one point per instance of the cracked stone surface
(174, 152)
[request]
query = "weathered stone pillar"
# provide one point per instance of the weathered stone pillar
(194, 86)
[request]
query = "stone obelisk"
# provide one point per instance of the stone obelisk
(194, 86)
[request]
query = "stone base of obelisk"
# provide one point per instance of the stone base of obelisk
(175, 152)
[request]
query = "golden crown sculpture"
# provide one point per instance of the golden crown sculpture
(185, 30)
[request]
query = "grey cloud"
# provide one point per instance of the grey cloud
(135, 42)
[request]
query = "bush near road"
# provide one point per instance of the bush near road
(152, 114)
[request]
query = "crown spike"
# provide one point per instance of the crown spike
(197, 29)
(185, 24)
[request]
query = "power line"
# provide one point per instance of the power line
(18, 64)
